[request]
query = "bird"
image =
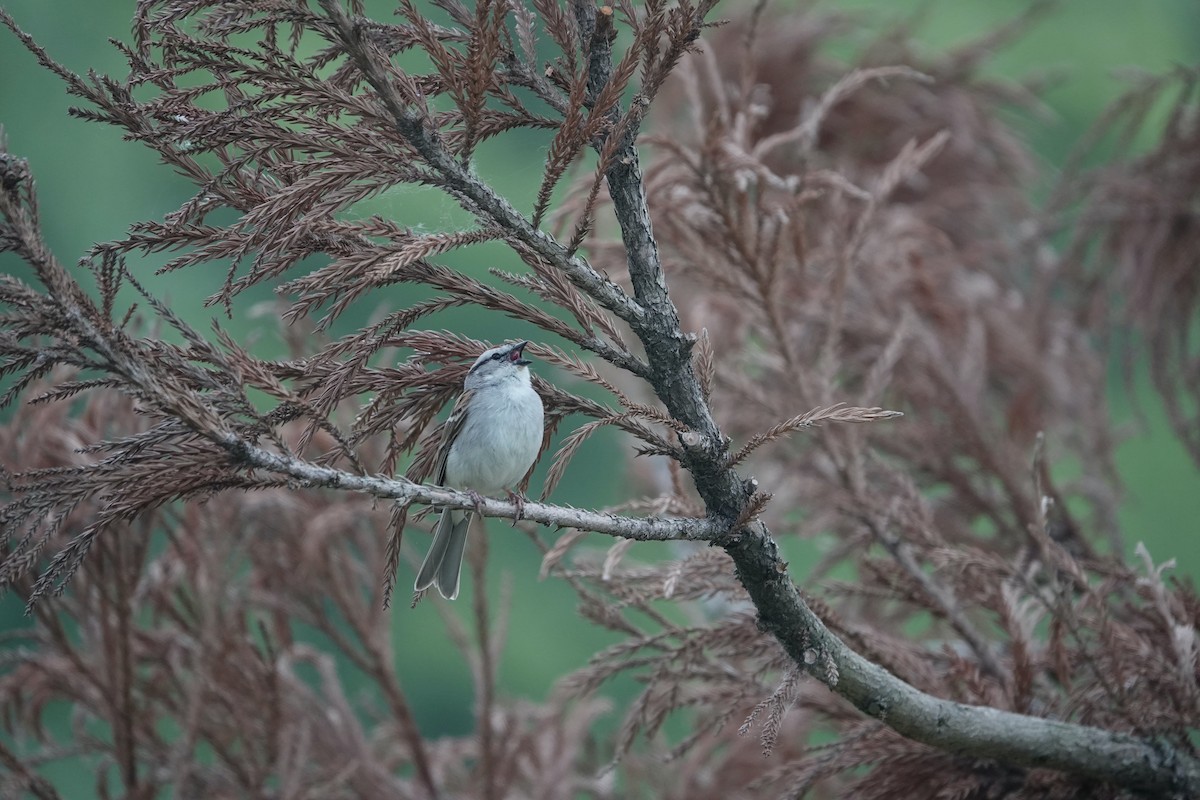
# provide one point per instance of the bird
(489, 441)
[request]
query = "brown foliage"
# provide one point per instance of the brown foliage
(196, 642)
(839, 238)
(864, 241)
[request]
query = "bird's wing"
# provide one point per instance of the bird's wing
(450, 431)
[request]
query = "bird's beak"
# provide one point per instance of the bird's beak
(516, 355)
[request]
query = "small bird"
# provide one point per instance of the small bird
(489, 442)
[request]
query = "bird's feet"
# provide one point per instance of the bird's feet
(519, 502)
(477, 499)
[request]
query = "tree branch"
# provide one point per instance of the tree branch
(1156, 768)
(311, 475)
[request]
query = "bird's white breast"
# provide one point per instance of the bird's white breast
(499, 440)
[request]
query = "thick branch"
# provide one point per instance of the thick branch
(977, 731)
(668, 348)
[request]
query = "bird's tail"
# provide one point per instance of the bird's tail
(443, 562)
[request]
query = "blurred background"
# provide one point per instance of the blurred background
(93, 186)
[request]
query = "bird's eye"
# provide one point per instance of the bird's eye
(497, 356)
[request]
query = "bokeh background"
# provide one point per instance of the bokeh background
(93, 186)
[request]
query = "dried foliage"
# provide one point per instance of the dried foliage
(869, 238)
(1140, 210)
(197, 649)
(839, 240)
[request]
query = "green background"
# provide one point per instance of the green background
(93, 185)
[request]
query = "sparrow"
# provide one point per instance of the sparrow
(489, 442)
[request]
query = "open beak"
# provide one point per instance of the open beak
(516, 355)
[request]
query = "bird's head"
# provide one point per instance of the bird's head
(499, 364)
